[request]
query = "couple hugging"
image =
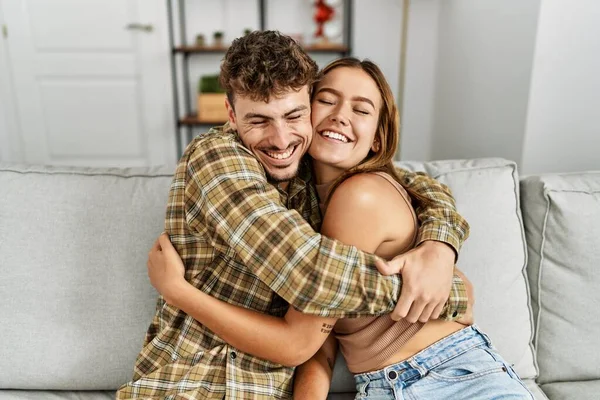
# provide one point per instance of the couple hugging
(290, 234)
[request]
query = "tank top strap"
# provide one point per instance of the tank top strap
(395, 184)
(404, 195)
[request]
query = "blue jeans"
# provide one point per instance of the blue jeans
(463, 365)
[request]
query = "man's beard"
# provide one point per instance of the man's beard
(281, 179)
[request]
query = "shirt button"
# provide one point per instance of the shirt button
(454, 314)
(392, 375)
(232, 355)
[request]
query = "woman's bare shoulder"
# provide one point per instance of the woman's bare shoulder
(368, 191)
(366, 210)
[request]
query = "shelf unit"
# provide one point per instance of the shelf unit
(185, 119)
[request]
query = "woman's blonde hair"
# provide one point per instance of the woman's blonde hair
(387, 135)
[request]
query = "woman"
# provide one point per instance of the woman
(364, 204)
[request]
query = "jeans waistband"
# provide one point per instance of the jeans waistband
(441, 351)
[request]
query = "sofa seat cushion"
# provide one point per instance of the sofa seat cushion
(341, 396)
(76, 301)
(55, 395)
(562, 219)
(538, 393)
(585, 390)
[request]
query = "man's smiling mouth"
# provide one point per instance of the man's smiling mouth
(281, 155)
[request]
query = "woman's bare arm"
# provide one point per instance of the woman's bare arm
(313, 378)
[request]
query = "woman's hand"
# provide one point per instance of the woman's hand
(165, 268)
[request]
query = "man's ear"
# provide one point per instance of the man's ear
(230, 114)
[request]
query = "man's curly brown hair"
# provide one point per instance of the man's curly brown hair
(263, 64)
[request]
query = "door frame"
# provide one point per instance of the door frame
(156, 12)
(10, 133)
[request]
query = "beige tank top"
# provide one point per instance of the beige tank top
(367, 342)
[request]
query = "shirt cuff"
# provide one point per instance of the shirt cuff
(440, 233)
(456, 306)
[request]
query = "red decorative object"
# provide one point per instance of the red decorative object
(323, 13)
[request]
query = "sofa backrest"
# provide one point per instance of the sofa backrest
(76, 300)
(562, 219)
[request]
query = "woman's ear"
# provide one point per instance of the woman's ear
(376, 145)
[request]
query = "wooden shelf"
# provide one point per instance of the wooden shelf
(191, 120)
(199, 49)
(326, 48)
(321, 48)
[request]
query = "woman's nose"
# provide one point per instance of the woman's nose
(339, 118)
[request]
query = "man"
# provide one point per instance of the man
(244, 216)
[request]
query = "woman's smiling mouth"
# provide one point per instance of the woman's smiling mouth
(335, 136)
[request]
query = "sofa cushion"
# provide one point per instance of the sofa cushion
(76, 297)
(562, 219)
(486, 193)
(494, 256)
(55, 395)
(538, 393)
(341, 396)
(587, 390)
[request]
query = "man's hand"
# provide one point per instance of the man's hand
(165, 268)
(427, 274)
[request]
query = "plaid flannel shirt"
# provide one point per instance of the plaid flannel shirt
(248, 243)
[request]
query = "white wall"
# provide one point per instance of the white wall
(9, 146)
(563, 129)
(483, 74)
(377, 34)
(420, 80)
(512, 78)
(4, 140)
(4, 151)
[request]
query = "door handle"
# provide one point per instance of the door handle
(140, 27)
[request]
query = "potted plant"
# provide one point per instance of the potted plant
(200, 42)
(218, 37)
(211, 100)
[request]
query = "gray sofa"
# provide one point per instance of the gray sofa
(76, 300)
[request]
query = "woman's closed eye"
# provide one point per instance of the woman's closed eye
(360, 111)
(325, 101)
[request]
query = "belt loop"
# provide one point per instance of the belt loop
(363, 386)
(487, 339)
(414, 364)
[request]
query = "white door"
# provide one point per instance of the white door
(91, 81)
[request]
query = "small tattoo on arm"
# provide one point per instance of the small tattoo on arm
(326, 328)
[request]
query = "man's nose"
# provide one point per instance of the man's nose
(280, 136)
